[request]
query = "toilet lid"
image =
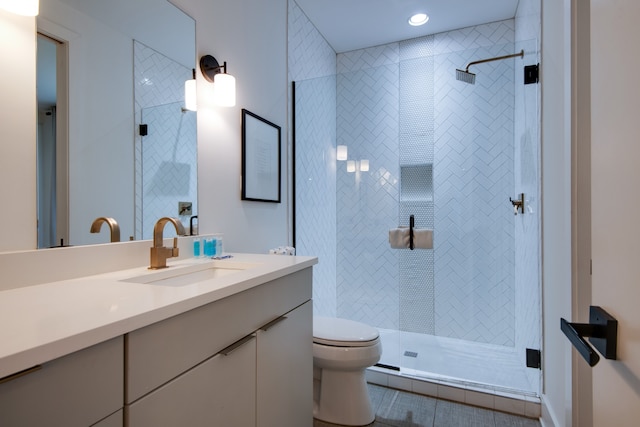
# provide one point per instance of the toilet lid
(342, 332)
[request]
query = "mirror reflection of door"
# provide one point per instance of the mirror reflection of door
(51, 147)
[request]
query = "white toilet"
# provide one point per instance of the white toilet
(342, 350)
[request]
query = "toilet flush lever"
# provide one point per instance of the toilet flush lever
(518, 204)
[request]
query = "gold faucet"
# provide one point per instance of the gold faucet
(113, 226)
(159, 253)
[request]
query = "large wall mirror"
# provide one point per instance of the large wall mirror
(114, 138)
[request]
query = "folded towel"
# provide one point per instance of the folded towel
(283, 250)
(399, 238)
(422, 238)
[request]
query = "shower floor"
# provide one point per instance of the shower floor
(458, 361)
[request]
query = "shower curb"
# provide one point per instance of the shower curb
(523, 404)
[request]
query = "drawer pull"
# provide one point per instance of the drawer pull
(20, 374)
(272, 323)
(236, 345)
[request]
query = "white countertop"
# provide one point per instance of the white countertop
(42, 322)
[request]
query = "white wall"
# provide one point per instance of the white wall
(556, 209)
(251, 36)
(18, 132)
(615, 102)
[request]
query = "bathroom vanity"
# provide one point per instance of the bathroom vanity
(202, 342)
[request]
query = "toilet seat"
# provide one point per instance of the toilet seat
(337, 332)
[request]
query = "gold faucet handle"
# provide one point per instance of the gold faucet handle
(175, 251)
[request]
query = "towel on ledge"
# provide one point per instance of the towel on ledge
(422, 238)
(399, 238)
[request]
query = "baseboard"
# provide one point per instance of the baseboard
(547, 418)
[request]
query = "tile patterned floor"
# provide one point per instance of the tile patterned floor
(403, 409)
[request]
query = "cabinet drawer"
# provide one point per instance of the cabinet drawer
(162, 351)
(218, 392)
(115, 420)
(79, 389)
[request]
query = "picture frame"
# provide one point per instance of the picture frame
(261, 159)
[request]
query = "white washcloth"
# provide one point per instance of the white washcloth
(283, 250)
(399, 238)
(422, 238)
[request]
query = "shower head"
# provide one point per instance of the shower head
(468, 77)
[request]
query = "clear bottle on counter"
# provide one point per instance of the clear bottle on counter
(219, 244)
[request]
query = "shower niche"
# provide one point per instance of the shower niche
(416, 183)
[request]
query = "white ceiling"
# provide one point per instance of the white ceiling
(355, 24)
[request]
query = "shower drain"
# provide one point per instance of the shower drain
(411, 354)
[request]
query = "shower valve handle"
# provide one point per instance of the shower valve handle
(518, 204)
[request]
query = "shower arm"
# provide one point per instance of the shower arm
(497, 58)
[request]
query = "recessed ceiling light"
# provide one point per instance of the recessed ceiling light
(418, 19)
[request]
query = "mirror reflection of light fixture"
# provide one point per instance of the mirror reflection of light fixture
(190, 93)
(351, 166)
(21, 7)
(341, 152)
(364, 165)
(224, 85)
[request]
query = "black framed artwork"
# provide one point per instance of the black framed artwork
(261, 159)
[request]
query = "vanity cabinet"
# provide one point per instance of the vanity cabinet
(284, 363)
(80, 389)
(214, 365)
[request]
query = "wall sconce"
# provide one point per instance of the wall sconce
(190, 93)
(351, 166)
(364, 165)
(21, 7)
(224, 85)
(341, 152)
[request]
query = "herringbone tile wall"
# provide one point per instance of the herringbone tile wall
(316, 185)
(169, 159)
(367, 202)
(166, 158)
(473, 180)
(400, 106)
(312, 65)
(310, 55)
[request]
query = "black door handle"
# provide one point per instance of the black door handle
(602, 331)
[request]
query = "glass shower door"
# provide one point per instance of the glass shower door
(422, 144)
(485, 282)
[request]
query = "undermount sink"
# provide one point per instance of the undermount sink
(188, 275)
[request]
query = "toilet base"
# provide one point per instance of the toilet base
(343, 398)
